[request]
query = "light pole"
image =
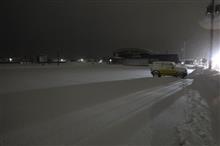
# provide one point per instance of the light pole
(212, 10)
(212, 6)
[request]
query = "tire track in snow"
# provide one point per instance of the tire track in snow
(79, 126)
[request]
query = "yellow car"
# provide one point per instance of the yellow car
(166, 68)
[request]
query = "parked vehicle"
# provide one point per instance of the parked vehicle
(166, 68)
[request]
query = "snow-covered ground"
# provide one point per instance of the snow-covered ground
(26, 77)
(107, 105)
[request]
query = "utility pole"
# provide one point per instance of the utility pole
(58, 57)
(184, 51)
(211, 32)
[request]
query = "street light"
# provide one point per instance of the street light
(212, 10)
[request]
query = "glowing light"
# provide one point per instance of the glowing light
(110, 60)
(62, 60)
(100, 61)
(81, 60)
(10, 59)
(216, 61)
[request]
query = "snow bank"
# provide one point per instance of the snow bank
(201, 126)
(196, 130)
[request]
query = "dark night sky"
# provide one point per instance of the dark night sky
(96, 27)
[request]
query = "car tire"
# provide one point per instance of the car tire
(156, 73)
(182, 75)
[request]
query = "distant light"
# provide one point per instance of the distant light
(100, 61)
(110, 60)
(62, 60)
(81, 60)
(10, 59)
(182, 62)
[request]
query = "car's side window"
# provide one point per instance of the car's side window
(168, 66)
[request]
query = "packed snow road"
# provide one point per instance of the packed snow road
(56, 117)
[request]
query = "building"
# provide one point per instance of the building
(140, 56)
(132, 53)
(164, 57)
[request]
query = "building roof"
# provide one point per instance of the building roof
(143, 50)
